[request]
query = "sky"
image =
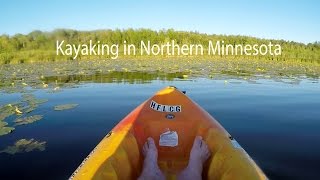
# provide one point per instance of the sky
(273, 19)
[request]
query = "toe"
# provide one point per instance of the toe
(208, 154)
(151, 143)
(205, 150)
(145, 148)
(197, 141)
(204, 145)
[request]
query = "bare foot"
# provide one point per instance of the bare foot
(198, 155)
(151, 170)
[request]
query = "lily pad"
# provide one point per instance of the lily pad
(6, 111)
(4, 129)
(40, 101)
(32, 102)
(65, 107)
(27, 120)
(24, 145)
(30, 98)
(30, 108)
(4, 115)
(27, 97)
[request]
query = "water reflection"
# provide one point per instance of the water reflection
(116, 77)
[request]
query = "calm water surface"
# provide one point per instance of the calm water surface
(276, 123)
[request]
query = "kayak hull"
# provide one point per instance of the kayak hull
(173, 121)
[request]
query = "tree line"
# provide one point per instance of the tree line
(41, 46)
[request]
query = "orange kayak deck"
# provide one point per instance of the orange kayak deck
(173, 121)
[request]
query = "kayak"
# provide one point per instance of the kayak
(173, 120)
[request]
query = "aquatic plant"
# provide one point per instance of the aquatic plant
(6, 111)
(65, 107)
(25, 145)
(69, 74)
(32, 102)
(4, 129)
(27, 120)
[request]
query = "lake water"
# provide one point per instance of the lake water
(276, 122)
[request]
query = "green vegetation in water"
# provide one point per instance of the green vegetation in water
(32, 102)
(54, 77)
(65, 107)
(28, 103)
(40, 46)
(6, 111)
(21, 109)
(4, 129)
(27, 120)
(25, 145)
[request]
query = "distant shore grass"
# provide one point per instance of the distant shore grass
(35, 56)
(39, 46)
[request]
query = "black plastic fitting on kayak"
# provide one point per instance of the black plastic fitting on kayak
(184, 92)
(173, 87)
(109, 134)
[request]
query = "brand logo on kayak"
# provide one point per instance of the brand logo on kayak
(170, 116)
(164, 108)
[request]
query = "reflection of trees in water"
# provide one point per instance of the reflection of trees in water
(117, 77)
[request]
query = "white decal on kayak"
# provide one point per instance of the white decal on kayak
(235, 144)
(169, 138)
(165, 108)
